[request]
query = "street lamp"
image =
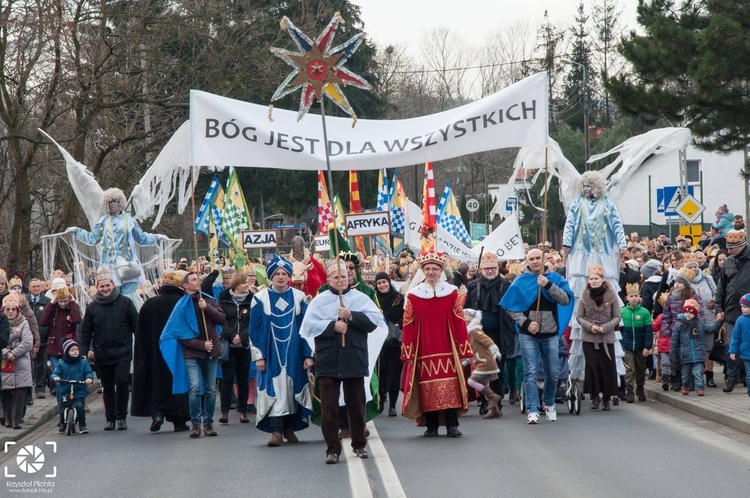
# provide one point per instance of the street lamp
(585, 110)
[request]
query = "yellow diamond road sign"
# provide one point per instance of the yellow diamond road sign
(690, 208)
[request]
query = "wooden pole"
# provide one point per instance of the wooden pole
(195, 244)
(333, 207)
(544, 229)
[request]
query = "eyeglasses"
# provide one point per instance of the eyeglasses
(350, 268)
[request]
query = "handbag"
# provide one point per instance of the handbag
(224, 358)
(718, 351)
(7, 366)
(394, 335)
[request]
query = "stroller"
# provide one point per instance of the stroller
(568, 390)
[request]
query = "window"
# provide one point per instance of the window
(693, 171)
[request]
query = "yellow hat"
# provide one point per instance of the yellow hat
(489, 260)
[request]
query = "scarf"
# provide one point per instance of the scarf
(238, 298)
(390, 299)
(107, 299)
(597, 295)
(489, 294)
(17, 320)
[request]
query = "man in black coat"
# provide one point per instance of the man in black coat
(340, 327)
(37, 301)
(152, 379)
(109, 324)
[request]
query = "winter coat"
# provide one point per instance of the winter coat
(689, 340)
(80, 370)
(38, 310)
(636, 328)
(606, 316)
(724, 223)
(496, 322)
(62, 323)
(27, 313)
(20, 344)
(734, 282)
(195, 349)
(669, 318)
(238, 318)
(741, 338)
(704, 286)
(109, 325)
(648, 293)
(662, 343)
(333, 360)
(484, 348)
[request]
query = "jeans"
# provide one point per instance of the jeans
(202, 407)
(79, 404)
(694, 369)
(747, 375)
(548, 346)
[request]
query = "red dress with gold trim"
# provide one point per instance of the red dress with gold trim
(434, 341)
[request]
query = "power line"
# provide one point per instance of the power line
(480, 66)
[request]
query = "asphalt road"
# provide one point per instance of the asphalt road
(646, 449)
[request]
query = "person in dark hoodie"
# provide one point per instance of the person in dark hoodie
(651, 272)
(152, 379)
(73, 367)
(107, 336)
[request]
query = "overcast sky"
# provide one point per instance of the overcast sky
(404, 21)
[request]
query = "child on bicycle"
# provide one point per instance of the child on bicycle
(73, 367)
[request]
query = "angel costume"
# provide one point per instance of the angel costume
(594, 234)
(275, 321)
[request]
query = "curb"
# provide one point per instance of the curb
(730, 420)
(42, 417)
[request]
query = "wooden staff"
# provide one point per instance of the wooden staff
(333, 207)
(195, 246)
(544, 234)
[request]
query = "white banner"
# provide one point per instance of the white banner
(373, 223)
(231, 132)
(322, 244)
(446, 242)
(259, 239)
(505, 241)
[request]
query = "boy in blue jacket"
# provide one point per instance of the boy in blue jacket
(741, 337)
(73, 367)
(689, 345)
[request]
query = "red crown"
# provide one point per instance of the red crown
(436, 258)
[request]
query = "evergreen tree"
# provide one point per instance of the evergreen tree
(690, 68)
(607, 28)
(580, 53)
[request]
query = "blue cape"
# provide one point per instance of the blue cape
(182, 324)
(521, 295)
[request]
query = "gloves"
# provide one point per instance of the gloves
(71, 230)
(496, 353)
(465, 363)
(161, 237)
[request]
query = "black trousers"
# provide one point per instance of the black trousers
(432, 419)
(41, 376)
(354, 399)
(14, 404)
(116, 384)
(235, 370)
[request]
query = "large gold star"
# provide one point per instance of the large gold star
(316, 68)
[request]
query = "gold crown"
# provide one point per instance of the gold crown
(632, 289)
(735, 236)
(689, 257)
(15, 282)
(686, 273)
(598, 269)
(489, 259)
(432, 257)
(249, 269)
(349, 256)
(102, 275)
(11, 300)
(62, 293)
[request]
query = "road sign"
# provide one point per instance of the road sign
(692, 231)
(668, 198)
(511, 204)
(472, 205)
(690, 208)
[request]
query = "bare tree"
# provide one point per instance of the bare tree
(607, 28)
(506, 56)
(446, 57)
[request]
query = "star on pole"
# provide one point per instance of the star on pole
(319, 69)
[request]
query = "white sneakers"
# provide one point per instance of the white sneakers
(533, 418)
(551, 414)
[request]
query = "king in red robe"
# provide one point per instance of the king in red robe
(434, 342)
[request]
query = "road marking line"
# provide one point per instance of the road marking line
(358, 482)
(385, 467)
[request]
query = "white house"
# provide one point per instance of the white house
(715, 180)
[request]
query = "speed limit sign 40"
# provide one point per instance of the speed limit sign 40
(472, 205)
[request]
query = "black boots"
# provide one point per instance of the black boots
(595, 400)
(729, 386)
(710, 379)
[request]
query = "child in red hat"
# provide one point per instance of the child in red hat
(689, 345)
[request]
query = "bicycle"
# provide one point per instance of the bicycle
(68, 404)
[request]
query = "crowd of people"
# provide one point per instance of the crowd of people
(443, 332)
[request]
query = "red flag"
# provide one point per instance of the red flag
(429, 209)
(355, 206)
(325, 213)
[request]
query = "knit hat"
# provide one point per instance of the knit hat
(692, 306)
(686, 276)
(723, 209)
(67, 345)
(736, 238)
(745, 300)
(650, 268)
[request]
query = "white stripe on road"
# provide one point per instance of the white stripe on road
(385, 467)
(358, 483)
